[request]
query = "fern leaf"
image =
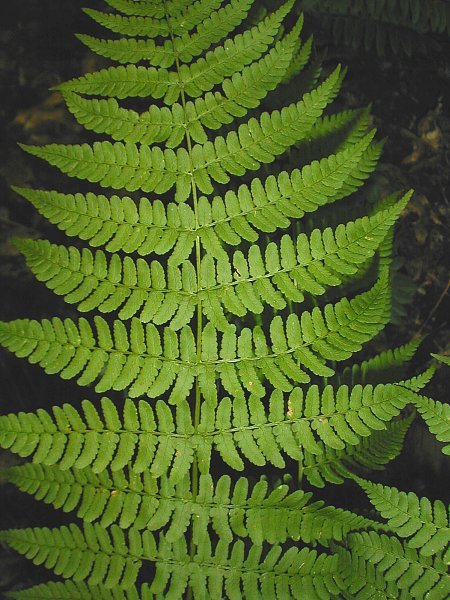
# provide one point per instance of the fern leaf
(213, 29)
(425, 523)
(229, 571)
(371, 453)
(274, 203)
(142, 438)
(132, 500)
(442, 358)
(140, 8)
(141, 361)
(383, 366)
(243, 91)
(120, 223)
(101, 557)
(381, 564)
(436, 415)
(94, 282)
(71, 590)
(226, 59)
(290, 269)
(121, 166)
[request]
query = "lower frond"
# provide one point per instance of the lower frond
(119, 223)
(372, 453)
(113, 559)
(164, 442)
(381, 566)
(93, 554)
(71, 590)
(426, 524)
(140, 501)
(436, 415)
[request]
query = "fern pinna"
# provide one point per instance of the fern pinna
(212, 321)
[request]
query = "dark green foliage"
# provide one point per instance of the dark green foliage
(386, 25)
(224, 309)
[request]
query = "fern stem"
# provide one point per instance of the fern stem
(199, 315)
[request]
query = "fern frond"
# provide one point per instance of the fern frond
(142, 289)
(101, 439)
(119, 223)
(71, 590)
(425, 523)
(139, 501)
(164, 442)
(442, 358)
(209, 32)
(384, 365)
(286, 273)
(112, 558)
(146, 364)
(226, 59)
(275, 202)
(288, 270)
(243, 91)
(109, 558)
(371, 453)
(141, 8)
(436, 415)
(377, 565)
(204, 15)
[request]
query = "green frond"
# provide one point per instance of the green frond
(140, 437)
(214, 28)
(288, 270)
(223, 60)
(378, 566)
(142, 502)
(139, 359)
(141, 8)
(425, 523)
(383, 366)
(181, 21)
(119, 223)
(231, 571)
(436, 415)
(442, 358)
(145, 437)
(278, 200)
(285, 273)
(243, 91)
(109, 558)
(94, 281)
(112, 558)
(71, 590)
(372, 452)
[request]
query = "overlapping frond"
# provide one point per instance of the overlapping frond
(381, 566)
(372, 452)
(112, 558)
(284, 273)
(384, 365)
(233, 511)
(234, 54)
(71, 590)
(139, 359)
(150, 169)
(436, 415)
(166, 442)
(242, 92)
(118, 223)
(426, 524)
